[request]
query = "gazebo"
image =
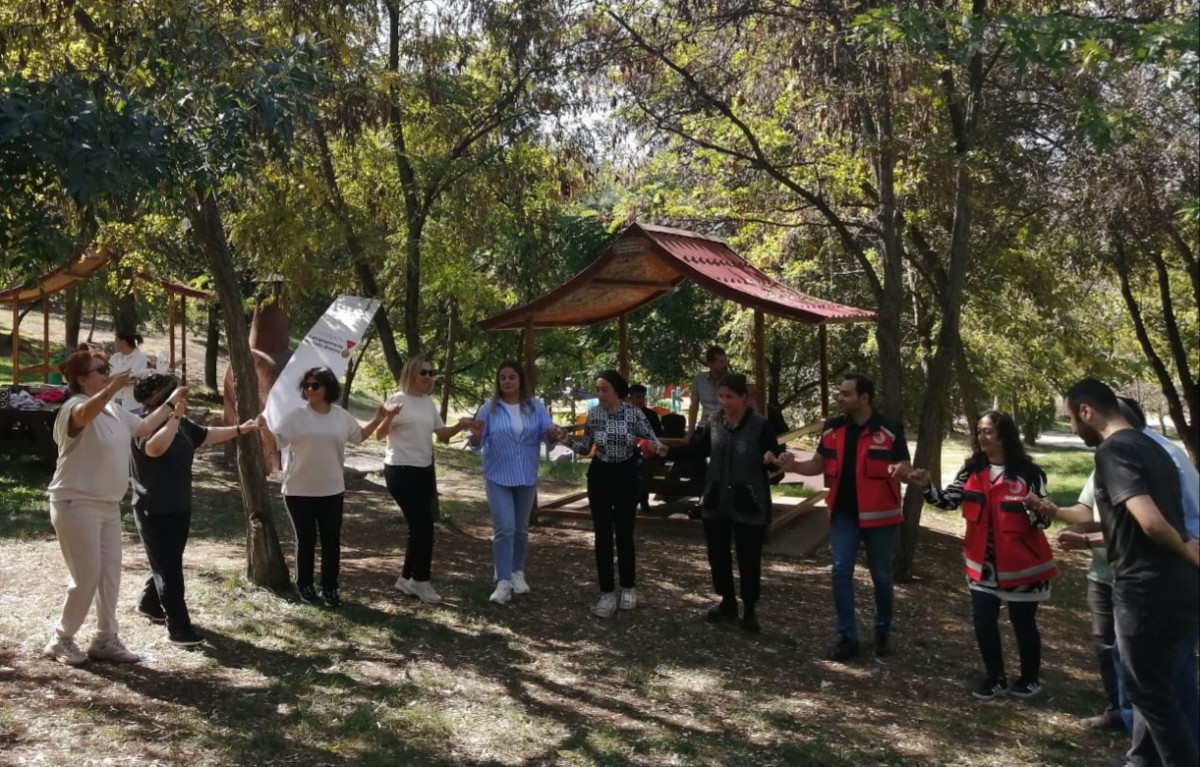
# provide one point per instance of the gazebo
(646, 262)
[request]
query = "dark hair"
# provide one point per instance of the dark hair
(1132, 411)
(862, 385)
(713, 352)
(736, 383)
(523, 393)
(1010, 439)
(129, 337)
(1094, 394)
(619, 384)
(637, 388)
(145, 390)
(333, 389)
(78, 365)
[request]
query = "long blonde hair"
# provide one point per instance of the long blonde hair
(410, 373)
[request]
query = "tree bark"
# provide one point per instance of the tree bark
(448, 367)
(966, 386)
(265, 564)
(73, 315)
(212, 346)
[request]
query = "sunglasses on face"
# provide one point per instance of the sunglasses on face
(101, 369)
(311, 385)
(426, 373)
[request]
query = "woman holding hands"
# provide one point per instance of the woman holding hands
(508, 431)
(94, 439)
(314, 482)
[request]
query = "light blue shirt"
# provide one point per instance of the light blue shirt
(1189, 481)
(508, 459)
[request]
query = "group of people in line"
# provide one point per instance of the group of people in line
(1139, 507)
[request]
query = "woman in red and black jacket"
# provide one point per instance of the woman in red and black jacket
(1005, 553)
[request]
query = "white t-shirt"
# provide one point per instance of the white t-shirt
(410, 439)
(317, 442)
(94, 464)
(515, 418)
(137, 364)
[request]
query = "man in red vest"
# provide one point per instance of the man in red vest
(856, 450)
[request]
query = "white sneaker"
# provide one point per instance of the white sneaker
(404, 586)
(112, 650)
(503, 592)
(424, 592)
(628, 599)
(519, 584)
(65, 651)
(606, 606)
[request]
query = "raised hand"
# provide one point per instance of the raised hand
(247, 426)
(918, 477)
(118, 381)
(901, 471)
(180, 393)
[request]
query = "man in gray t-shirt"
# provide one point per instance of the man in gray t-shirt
(704, 387)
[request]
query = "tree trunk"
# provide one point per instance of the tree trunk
(448, 367)
(212, 346)
(73, 315)
(265, 564)
(125, 317)
(888, 333)
(966, 386)
(352, 370)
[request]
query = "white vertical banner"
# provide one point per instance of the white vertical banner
(329, 344)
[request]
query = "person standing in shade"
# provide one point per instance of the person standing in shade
(94, 438)
(162, 501)
(855, 454)
(704, 400)
(314, 481)
(737, 496)
(508, 430)
(1006, 555)
(128, 359)
(614, 428)
(412, 419)
(1156, 586)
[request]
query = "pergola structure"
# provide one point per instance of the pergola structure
(79, 269)
(645, 263)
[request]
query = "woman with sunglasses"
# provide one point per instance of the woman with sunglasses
(94, 439)
(162, 501)
(408, 470)
(314, 482)
(509, 430)
(614, 427)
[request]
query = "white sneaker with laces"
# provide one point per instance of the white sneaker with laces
(519, 584)
(606, 606)
(628, 599)
(424, 592)
(112, 650)
(404, 586)
(65, 651)
(503, 592)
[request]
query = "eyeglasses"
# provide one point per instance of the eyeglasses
(427, 373)
(101, 369)
(311, 385)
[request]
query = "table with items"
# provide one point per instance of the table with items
(27, 414)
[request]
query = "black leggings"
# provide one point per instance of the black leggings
(748, 539)
(985, 609)
(414, 488)
(313, 517)
(612, 490)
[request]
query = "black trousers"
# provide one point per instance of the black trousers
(165, 537)
(748, 539)
(317, 517)
(414, 489)
(612, 490)
(1104, 634)
(985, 610)
(1151, 639)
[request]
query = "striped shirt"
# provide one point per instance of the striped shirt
(510, 456)
(615, 433)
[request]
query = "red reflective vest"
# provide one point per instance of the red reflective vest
(1023, 554)
(878, 491)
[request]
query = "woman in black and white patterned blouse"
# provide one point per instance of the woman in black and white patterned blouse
(614, 427)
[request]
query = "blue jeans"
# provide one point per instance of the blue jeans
(1185, 688)
(844, 538)
(510, 507)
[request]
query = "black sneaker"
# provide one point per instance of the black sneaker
(750, 623)
(1024, 688)
(726, 611)
(883, 645)
(991, 687)
(308, 595)
(331, 598)
(186, 638)
(153, 612)
(844, 650)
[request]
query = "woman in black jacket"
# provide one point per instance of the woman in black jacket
(736, 506)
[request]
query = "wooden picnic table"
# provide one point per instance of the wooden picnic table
(28, 432)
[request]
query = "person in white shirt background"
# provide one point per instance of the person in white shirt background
(128, 359)
(408, 427)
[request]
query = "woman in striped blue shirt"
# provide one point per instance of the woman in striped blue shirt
(508, 430)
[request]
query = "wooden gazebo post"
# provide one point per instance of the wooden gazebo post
(16, 340)
(45, 339)
(760, 362)
(623, 348)
(823, 338)
(171, 333)
(183, 338)
(530, 372)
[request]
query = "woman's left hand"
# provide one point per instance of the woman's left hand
(248, 426)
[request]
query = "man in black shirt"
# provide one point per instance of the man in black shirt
(1156, 587)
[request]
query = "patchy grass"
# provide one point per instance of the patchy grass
(387, 681)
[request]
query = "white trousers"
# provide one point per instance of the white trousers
(89, 534)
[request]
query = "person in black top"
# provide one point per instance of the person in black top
(1156, 586)
(637, 397)
(162, 502)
